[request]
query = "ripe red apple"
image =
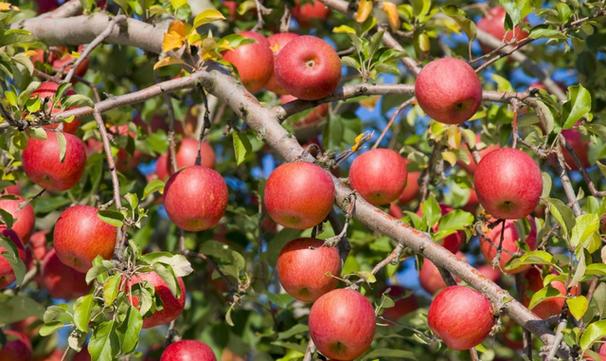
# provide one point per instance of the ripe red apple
(186, 157)
(411, 190)
(448, 90)
(60, 280)
(379, 175)
(342, 324)
(308, 68)
(16, 348)
(601, 353)
(299, 195)
(306, 14)
(37, 244)
(23, 216)
(65, 63)
(403, 305)
(461, 317)
(304, 267)
(45, 6)
(580, 146)
(12, 189)
(254, 62)
(276, 43)
(80, 236)
(188, 350)
(533, 281)
(195, 198)
(43, 164)
(489, 244)
(48, 90)
(494, 24)
(7, 276)
(489, 272)
(171, 305)
(508, 183)
(430, 278)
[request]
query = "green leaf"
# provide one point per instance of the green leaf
(578, 306)
(111, 217)
(343, 29)
(544, 293)
(17, 307)
(295, 330)
(530, 258)
(155, 185)
(180, 265)
(168, 277)
(503, 85)
(594, 332)
(281, 300)
(585, 228)
(95, 272)
(50, 328)
(431, 211)
(77, 100)
(57, 313)
(207, 16)
(241, 146)
(578, 105)
(62, 145)
(9, 252)
(454, 221)
(111, 288)
(391, 353)
(129, 330)
(104, 344)
(545, 112)
(82, 311)
(562, 213)
(38, 133)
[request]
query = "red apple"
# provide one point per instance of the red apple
(80, 236)
(23, 216)
(12, 189)
(342, 324)
(448, 90)
(461, 317)
(47, 90)
(186, 157)
(305, 267)
(276, 43)
(601, 353)
(65, 63)
(580, 146)
(7, 276)
(403, 305)
(489, 272)
(60, 280)
(254, 62)
(43, 164)
(508, 183)
(188, 350)
(37, 243)
(494, 24)
(308, 68)
(472, 201)
(16, 348)
(171, 305)
(489, 244)
(299, 195)
(411, 190)
(195, 198)
(430, 278)
(309, 12)
(45, 6)
(533, 281)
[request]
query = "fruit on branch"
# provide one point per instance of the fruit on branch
(299, 195)
(37, 245)
(551, 306)
(430, 278)
(188, 350)
(308, 68)
(254, 62)
(452, 242)
(12, 189)
(489, 243)
(195, 198)
(411, 190)
(379, 175)
(310, 12)
(276, 43)
(494, 24)
(405, 303)
(80, 235)
(7, 275)
(461, 317)
(489, 272)
(470, 164)
(16, 348)
(65, 63)
(309, 124)
(580, 146)
(23, 216)
(448, 90)
(45, 6)
(186, 157)
(305, 268)
(508, 183)
(172, 305)
(46, 91)
(46, 165)
(342, 324)
(60, 280)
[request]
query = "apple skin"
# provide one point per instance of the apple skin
(188, 350)
(308, 13)
(448, 90)
(186, 157)
(17, 347)
(489, 272)
(379, 175)
(80, 236)
(430, 278)
(508, 183)
(342, 324)
(601, 352)
(23, 217)
(37, 244)
(403, 306)
(172, 306)
(299, 195)
(195, 198)
(490, 243)
(65, 63)
(254, 62)
(461, 317)
(580, 146)
(7, 276)
(47, 90)
(411, 190)
(303, 267)
(45, 6)
(494, 24)
(533, 281)
(43, 165)
(308, 68)
(60, 280)
(276, 43)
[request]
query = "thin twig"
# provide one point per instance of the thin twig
(392, 120)
(311, 348)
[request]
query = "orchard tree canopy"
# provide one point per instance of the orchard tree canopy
(302, 180)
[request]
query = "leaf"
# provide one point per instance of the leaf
(62, 145)
(129, 330)
(364, 10)
(503, 85)
(155, 185)
(168, 277)
(544, 293)
(38, 133)
(175, 36)
(586, 226)
(207, 16)
(95, 272)
(103, 344)
(111, 217)
(281, 300)
(579, 101)
(391, 353)
(166, 61)
(82, 310)
(530, 258)
(545, 113)
(562, 213)
(241, 147)
(594, 332)
(179, 263)
(454, 221)
(431, 211)
(57, 313)
(9, 253)
(578, 306)
(50, 328)
(343, 29)
(17, 307)
(295, 330)
(111, 288)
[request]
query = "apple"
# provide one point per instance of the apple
(310, 12)
(23, 216)
(489, 244)
(472, 201)
(411, 190)
(552, 306)
(470, 165)
(186, 157)
(403, 305)
(489, 272)
(508, 183)
(65, 63)
(60, 280)
(448, 90)
(494, 24)
(37, 244)
(46, 91)
(308, 68)
(430, 278)
(299, 195)
(7, 276)
(254, 62)
(276, 43)
(80, 236)
(305, 267)
(45, 6)
(188, 350)
(580, 146)
(16, 348)
(601, 353)
(43, 164)
(12, 189)
(342, 324)
(171, 306)
(195, 198)
(379, 175)
(461, 317)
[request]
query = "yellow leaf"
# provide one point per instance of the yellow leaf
(6, 7)
(343, 29)
(454, 137)
(364, 10)
(358, 141)
(176, 4)
(450, 157)
(169, 60)
(207, 16)
(391, 10)
(175, 36)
